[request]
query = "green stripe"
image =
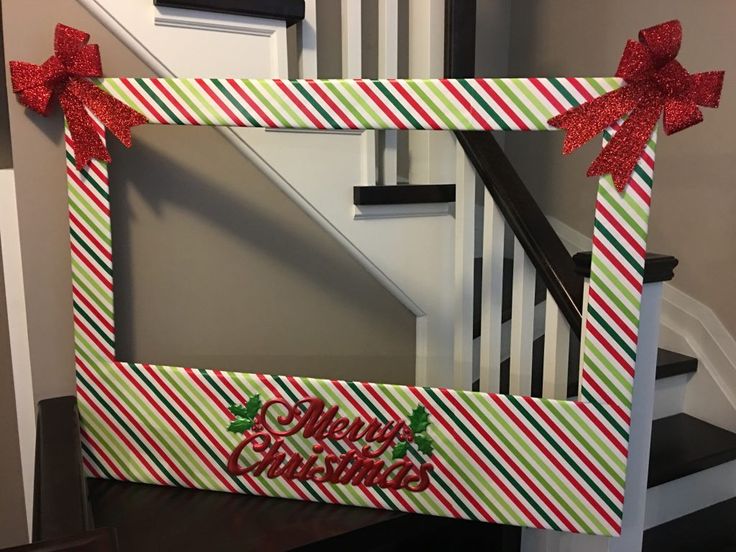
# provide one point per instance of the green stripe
(508, 477)
(235, 103)
(604, 410)
(80, 241)
(92, 457)
(217, 117)
(631, 261)
(430, 104)
(600, 266)
(183, 96)
(622, 212)
(274, 93)
(602, 494)
(123, 425)
(345, 103)
(520, 105)
(611, 332)
(609, 386)
(378, 119)
(451, 107)
(79, 308)
(157, 98)
(565, 93)
(271, 108)
(542, 475)
(398, 105)
(532, 98)
(315, 104)
(487, 108)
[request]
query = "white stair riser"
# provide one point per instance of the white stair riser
(690, 494)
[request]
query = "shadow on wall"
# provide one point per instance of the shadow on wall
(216, 268)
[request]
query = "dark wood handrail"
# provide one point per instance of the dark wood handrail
(291, 11)
(527, 221)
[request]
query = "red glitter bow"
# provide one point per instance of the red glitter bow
(65, 74)
(655, 83)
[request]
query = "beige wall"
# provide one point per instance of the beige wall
(695, 194)
(216, 267)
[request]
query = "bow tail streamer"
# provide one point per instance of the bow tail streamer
(586, 120)
(622, 153)
(114, 114)
(87, 143)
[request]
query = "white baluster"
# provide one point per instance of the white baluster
(522, 323)
(307, 42)
(556, 351)
(494, 229)
(388, 68)
(352, 46)
(431, 153)
(465, 183)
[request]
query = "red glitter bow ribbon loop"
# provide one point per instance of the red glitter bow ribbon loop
(656, 84)
(65, 75)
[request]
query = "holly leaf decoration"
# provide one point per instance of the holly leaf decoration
(253, 406)
(239, 410)
(419, 420)
(400, 450)
(424, 444)
(240, 425)
(244, 415)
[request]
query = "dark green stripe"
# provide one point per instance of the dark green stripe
(238, 104)
(619, 246)
(398, 105)
(92, 323)
(487, 108)
(156, 98)
(315, 104)
(89, 250)
(562, 90)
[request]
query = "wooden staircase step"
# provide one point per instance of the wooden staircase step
(403, 194)
(683, 445)
(711, 529)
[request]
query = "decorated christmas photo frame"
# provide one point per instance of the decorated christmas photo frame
(526, 461)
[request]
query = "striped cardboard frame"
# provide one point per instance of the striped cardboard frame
(515, 460)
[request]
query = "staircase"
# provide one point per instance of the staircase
(494, 322)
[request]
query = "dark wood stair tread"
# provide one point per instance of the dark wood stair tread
(150, 517)
(402, 194)
(683, 445)
(709, 529)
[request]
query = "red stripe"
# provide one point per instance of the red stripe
(478, 461)
(81, 257)
(457, 484)
(92, 165)
(635, 245)
(587, 409)
(297, 102)
(101, 453)
(469, 108)
(502, 104)
(624, 363)
(102, 347)
(125, 412)
(246, 96)
(173, 100)
(105, 251)
(621, 269)
(203, 85)
(90, 470)
(413, 103)
(336, 108)
(379, 103)
(161, 119)
(175, 426)
(265, 380)
(509, 460)
(645, 196)
(606, 307)
(573, 480)
(328, 447)
(128, 445)
(548, 95)
(614, 406)
(101, 319)
(104, 208)
(613, 488)
(576, 84)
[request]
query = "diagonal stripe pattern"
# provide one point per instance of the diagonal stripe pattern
(502, 459)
